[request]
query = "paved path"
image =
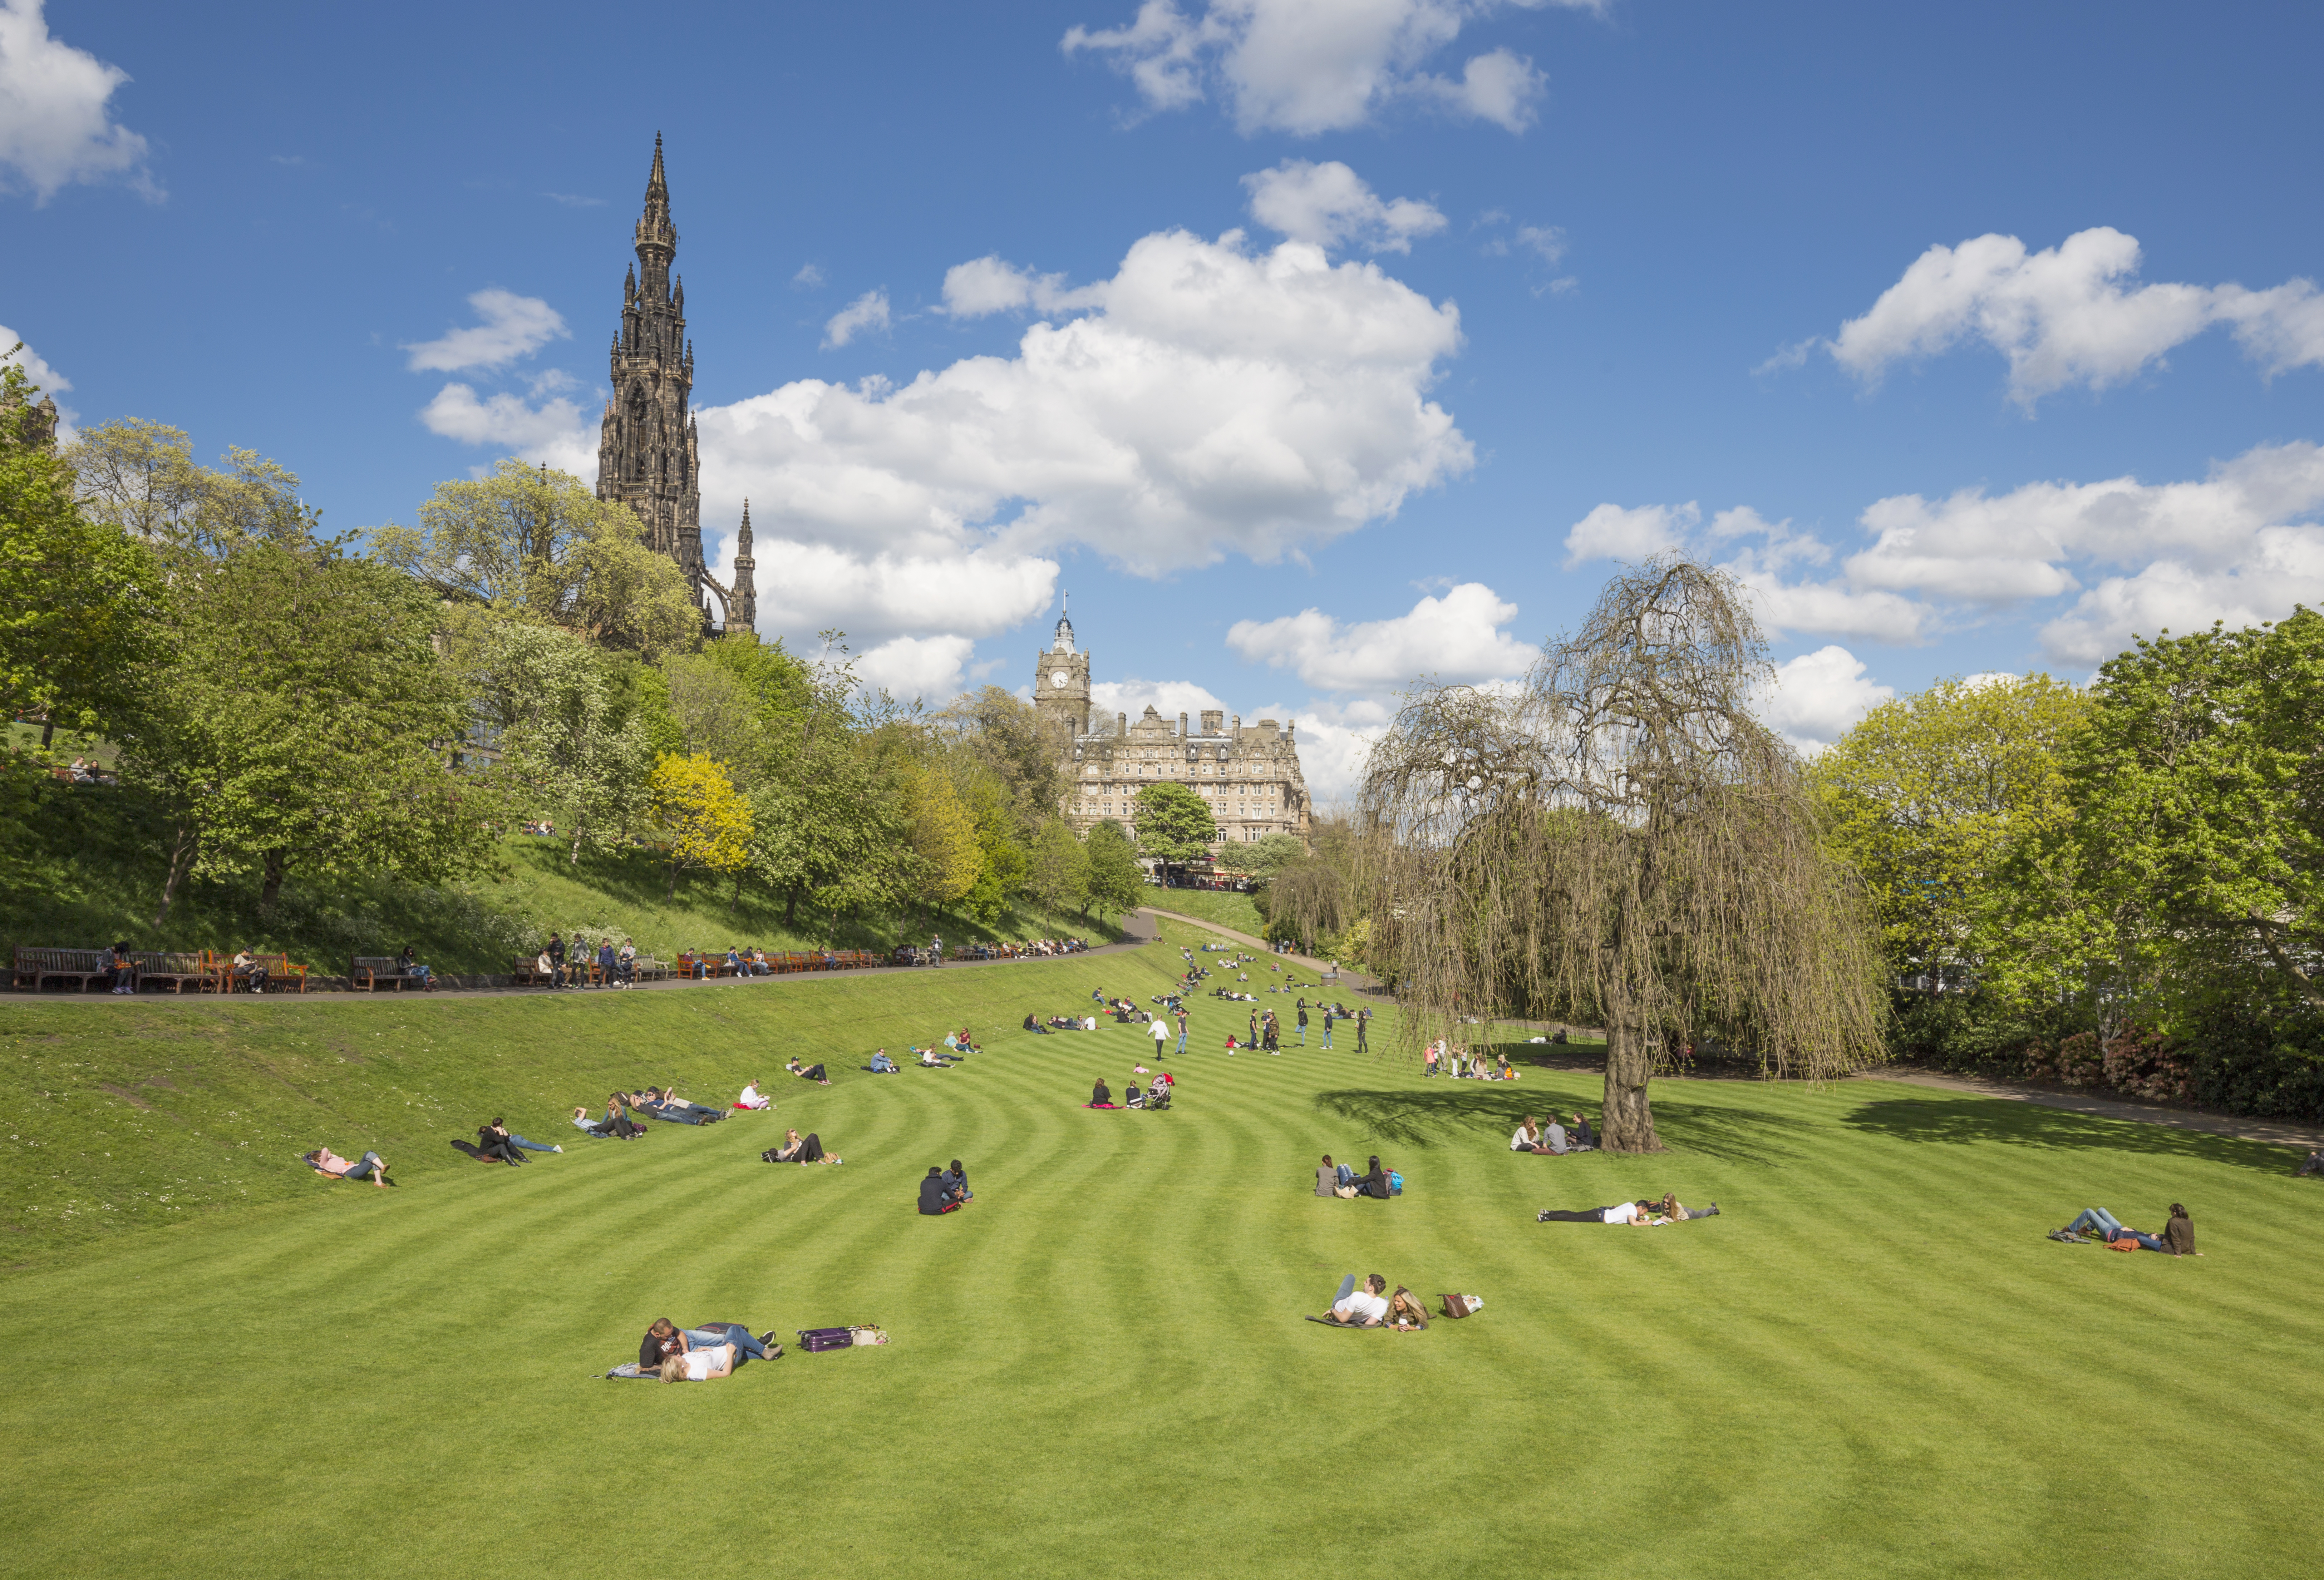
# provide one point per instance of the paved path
(1354, 981)
(2276, 1131)
(1139, 930)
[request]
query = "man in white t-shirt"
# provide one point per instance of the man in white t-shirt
(1622, 1212)
(1362, 1308)
(1161, 1030)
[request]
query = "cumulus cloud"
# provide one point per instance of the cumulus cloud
(808, 278)
(924, 669)
(513, 325)
(56, 120)
(991, 284)
(2072, 314)
(962, 589)
(868, 311)
(552, 434)
(52, 384)
(1299, 67)
(1817, 696)
(1330, 205)
(1611, 532)
(1169, 698)
(1454, 638)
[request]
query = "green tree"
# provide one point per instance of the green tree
(570, 751)
(541, 542)
(304, 723)
(140, 477)
(702, 820)
(1174, 823)
(78, 598)
(1265, 857)
(1060, 867)
(2194, 865)
(1928, 794)
(944, 837)
(1116, 881)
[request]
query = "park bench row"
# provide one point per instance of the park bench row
(203, 971)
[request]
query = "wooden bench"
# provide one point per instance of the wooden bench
(200, 970)
(279, 969)
(649, 969)
(526, 974)
(370, 973)
(80, 966)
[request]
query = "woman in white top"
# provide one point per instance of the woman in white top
(752, 1098)
(1528, 1137)
(700, 1366)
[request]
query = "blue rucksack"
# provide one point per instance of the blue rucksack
(1395, 1183)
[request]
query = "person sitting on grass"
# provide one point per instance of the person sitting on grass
(882, 1065)
(1529, 1138)
(1327, 1176)
(665, 1104)
(1099, 1097)
(752, 1098)
(596, 1128)
(813, 1072)
(1359, 1308)
(495, 1143)
(1679, 1213)
(955, 1179)
(1640, 1212)
(1374, 1183)
(1036, 1027)
(934, 1197)
(1584, 1139)
(330, 1165)
(618, 1123)
(1405, 1314)
(798, 1149)
(2314, 1165)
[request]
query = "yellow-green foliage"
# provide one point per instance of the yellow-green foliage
(703, 820)
(1927, 795)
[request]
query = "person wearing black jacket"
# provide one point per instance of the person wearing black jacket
(1374, 1183)
(1100, 1096)
(935, 1199)
(1583, 1134)
(493, 1141)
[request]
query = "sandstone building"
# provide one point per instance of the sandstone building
(648, 457)
(1249, 775)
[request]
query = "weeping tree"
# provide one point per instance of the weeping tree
(1619, 841)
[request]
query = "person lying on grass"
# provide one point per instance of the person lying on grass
(813, 1072)
(1359, 1308)
(935, 1061)
(1405, 1312)
(1638, 1213)
(1100, 1096)
(798, 1149)
(501, 1132)
(935, 1199)
(330, 1165)
(2178, 1238)
(1679, 1213)
(665, 1341)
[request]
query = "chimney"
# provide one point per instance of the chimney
(1182, 726)
(1213, 719)
(1237, 730)
(1122, 723)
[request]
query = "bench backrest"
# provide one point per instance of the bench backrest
(164, 962)
(65, 960)
(362, 962)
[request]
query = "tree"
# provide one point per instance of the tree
(1060, 867)
(543, 542)
(1115, 878)
(304, 721)
(703, 821)
(1620, 840)
(569, 748)
(944, 837)
(141, 478)
(1265, 857)
(1174, 823)
(1928, 794)
(2194, 866)
(78, 598)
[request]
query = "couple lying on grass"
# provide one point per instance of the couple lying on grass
(945, 1190)
(799, 1149)
(496, 1144)
(697, 1354)
(1644, 1215)
(2178, 1235)
(1531, 1137)
(1373, 1307)
(1341, 1180)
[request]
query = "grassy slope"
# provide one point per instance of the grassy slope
(90, 868)
(1872, 1365)
(1223, 907)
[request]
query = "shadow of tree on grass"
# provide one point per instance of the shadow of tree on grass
(1461, 1113)
(1965, 1120)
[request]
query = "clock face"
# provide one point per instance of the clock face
(1057, 677)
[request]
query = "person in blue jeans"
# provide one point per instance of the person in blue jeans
(2109, 1230)
(760, 1348)
(407, 963)
(1327, 1025)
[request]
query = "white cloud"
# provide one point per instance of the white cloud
(868, 311)
(56, 126)
(808, 278)
(1307, 68)
(1330, 205)
(553, 434)
(1817, 696)
(1169, 698)
(991, 284)
(513, 326)
(1456, 637)
(1216, 400)
(928, 669)
(873, 595)
(51, 382)
(2068, 315)
(574, 200)
(1612, 532)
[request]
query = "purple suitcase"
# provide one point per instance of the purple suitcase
(812, 1339)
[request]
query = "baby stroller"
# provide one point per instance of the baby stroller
(1158, 1097)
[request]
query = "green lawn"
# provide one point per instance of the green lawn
(1223, 907)
(1873, 1364)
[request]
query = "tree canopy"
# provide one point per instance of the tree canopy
(1174, 823)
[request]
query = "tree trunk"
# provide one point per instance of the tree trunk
(270, 888)
(181, 860)
(1628, 1121)
(791, 908)
(673, 881)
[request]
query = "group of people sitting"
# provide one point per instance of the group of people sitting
(2177, 1238)
(1555, 1141)
(945, 1190)
(799, 1149)
(1372, 1305)
(1060, 1023)
(697, 1354)
(1644, 1215)
(1441, 1058)
(1341, 1180)
(568, 966)
(1155, 1096)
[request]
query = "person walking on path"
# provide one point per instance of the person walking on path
(935, 948)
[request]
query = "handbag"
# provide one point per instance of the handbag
(1461, 1305)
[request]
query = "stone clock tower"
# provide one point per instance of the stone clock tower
(1061, 684)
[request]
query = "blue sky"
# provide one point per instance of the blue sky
(1314, 345)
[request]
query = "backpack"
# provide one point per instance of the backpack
(1395, 1183)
